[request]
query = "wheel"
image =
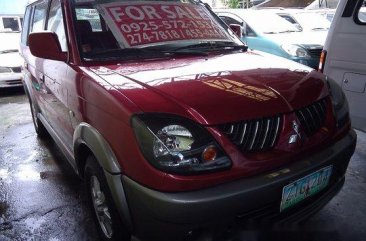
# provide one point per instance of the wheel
(38, 126)
(106, 217)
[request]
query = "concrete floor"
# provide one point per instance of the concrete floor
(41, 199)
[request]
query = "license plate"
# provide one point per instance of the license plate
(305, 187)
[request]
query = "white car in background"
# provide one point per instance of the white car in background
(10, 59)
(304, 20)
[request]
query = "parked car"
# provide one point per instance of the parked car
(344, 56)
(268, 32)
(305, 21)
(324, 8)
(177, 128)
(10, 60)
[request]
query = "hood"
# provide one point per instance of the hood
(216, 89)
(300, 38)
(12, 59)
(9, 41)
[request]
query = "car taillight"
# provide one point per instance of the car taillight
(323, 56)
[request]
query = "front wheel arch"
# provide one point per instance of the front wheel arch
(89, 142)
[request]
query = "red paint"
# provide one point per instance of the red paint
(212, 90)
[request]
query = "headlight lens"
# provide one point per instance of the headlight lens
(295, 50)
(5, 70)
(176, 145)
(340, 103)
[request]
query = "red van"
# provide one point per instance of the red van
(177, 128)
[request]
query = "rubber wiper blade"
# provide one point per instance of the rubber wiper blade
(211, 47)
(315, 29)
(127, 53)
(8, 51)
(185, 52)
(288, 31)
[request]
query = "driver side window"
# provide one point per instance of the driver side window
(56, 23)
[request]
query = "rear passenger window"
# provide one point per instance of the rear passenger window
(25, 31)
(39, 17)
(56, 23)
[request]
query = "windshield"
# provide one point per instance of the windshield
(9, 41)
(268, 23)
(10, 24)
(108, 28)
(312, 21)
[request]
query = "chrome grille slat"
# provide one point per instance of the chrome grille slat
(318, 116)
(276, 131)
(247, 139)
(243, 133)
(253, 135)
(266, 133)
(312, 117)
(231, 129)
(236, 132)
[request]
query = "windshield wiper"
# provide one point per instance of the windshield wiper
(210, 46)
(127, 53)
(288, 31)
(315, 29)
(131, 53)
(8, 51)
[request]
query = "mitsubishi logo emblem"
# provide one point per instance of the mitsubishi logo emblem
(297, 136)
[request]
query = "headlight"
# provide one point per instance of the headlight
(339, 101)
(5, 70)
(295, 50)
(176, 145)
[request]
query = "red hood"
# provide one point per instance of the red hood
(217, 89)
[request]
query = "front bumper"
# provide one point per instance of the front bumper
(311, 62)
(10, 80)
(173, 216)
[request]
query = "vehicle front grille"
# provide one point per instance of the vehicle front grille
(16, 69)
(315, 52)
(312, 117)
(253, 135)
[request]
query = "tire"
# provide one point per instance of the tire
(110, 226)
(38, 126)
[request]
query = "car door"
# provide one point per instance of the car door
(34, 67)
(346, 57)
(55, 75)
(249, 36)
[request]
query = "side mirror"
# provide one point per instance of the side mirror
(237, 29)
(46, 45)
(298, 26)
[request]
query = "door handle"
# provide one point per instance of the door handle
(41, 78)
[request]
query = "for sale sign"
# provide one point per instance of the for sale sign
(146, 23)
